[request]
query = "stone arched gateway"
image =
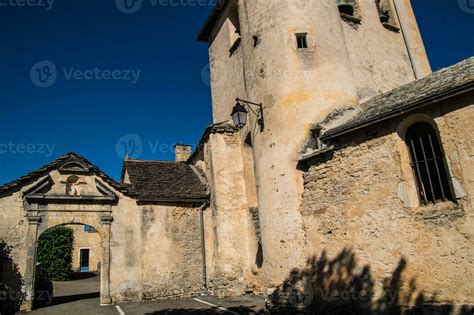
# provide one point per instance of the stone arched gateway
(68, 191)
(72, 194)
(151, 225)
(41, 220)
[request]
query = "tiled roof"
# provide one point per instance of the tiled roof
(31, 177)
(444, 83)
(164, 181)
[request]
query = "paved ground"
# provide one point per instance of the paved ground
(81, 297)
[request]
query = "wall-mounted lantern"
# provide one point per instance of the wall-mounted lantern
(239, 113)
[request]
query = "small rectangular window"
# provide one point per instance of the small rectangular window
(301, 40)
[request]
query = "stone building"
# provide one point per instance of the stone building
(353, 176)
(86, 251)
(148, 224)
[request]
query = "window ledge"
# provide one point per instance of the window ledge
(351, 18)
(305, 50)
(446, 209)
(391, 27)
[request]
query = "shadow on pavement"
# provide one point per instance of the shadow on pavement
(83, 275)
(72, 298)
(47, 293)
(231, 310)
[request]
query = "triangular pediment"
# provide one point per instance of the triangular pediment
(63, 186)
(70, 178)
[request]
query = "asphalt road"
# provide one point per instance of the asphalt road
(81, 297)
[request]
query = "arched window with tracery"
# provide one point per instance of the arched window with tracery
(428, 163)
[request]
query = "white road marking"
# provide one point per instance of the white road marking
(216, 306)
(119, 310)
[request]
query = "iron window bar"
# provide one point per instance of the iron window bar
(437, 168)
(301, 40)
(435, 179)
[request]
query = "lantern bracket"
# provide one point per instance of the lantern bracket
(258, 111)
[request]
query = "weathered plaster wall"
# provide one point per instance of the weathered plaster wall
(231, 238)
(379, 58)
(226, 66)
(125, 252)
(90, 240)
(359, 198)
(13, 228)
(156, 251)
(12, 251)
(172, 261)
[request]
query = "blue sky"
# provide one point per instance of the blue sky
(151, 86)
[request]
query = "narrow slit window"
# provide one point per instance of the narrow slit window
(428, 163)
(301, 40)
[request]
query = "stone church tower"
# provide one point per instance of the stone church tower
(302, 60)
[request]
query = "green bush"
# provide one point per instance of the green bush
(54, 254)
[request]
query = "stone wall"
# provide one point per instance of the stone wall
(13, 228)
(155, 252)
(362, 198)
(172, 258)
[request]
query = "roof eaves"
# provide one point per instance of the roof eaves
(202, 199)
(206, 29)
(426, 101)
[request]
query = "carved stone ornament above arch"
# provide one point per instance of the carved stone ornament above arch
(73, 166)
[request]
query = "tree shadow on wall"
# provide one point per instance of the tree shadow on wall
(339, 286)
(11, 282)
